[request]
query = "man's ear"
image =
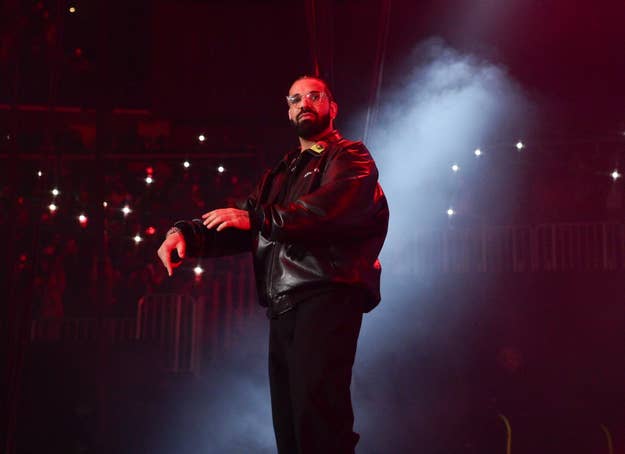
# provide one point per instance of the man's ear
(334, 110)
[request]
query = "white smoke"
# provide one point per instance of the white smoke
(445, 106)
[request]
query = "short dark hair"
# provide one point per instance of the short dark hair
(327, 90)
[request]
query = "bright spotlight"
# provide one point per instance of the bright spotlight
(615, 174)
(477, 152)
(450, 212)
(201, 137)
(186, 164)
(39, 173)
(198, 270)
(105, 204)
(72, 9)
(126, 210)
(52, 207)
(137, 239)
(149, 180)
(455, 167)
(221, 169)
(55, 192)
(82, 219)
(520, 145)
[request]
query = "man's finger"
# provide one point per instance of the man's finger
(181, 247)
(175, 265)
(214, 222)
(209, 219)
(223, 225)
(212, 213)
(162, 254)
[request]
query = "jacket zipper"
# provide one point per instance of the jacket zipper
(269, 280)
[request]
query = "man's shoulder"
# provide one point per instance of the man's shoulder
(346, 143)
(354, 147)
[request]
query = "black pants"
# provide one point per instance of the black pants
(311, 354)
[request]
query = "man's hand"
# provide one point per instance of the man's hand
(173, 242)
(227, 217)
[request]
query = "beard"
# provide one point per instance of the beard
(309, 128)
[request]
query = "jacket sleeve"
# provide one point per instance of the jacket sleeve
(346, 203)
(202, 242)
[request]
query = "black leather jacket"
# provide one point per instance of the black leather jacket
(319, 218)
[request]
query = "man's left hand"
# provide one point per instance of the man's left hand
(227, 217)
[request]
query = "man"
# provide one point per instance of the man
(315, 224)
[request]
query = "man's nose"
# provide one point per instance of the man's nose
(305, 102)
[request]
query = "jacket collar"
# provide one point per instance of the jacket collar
(323, 143)
(316, 150)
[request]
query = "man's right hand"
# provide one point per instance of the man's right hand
(173, 242)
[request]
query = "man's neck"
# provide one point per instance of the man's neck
(307, 143)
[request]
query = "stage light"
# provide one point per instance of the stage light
(149, 170)
(615, 174)
(221, 169)
(520, 145)
(150, 230)
(72, 9)
(78, 52)
(477, 152)
(137, 238)
(126, 210)
(450, 212)
(39, 173)
(201, 138)
(198, 270)
(82, 219)
(52, 207)
(55, 192)
(105, 204)
(186, 164)
(149, 179)
(455, 167)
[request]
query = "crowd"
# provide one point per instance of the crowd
(61, 268)
(63, 264)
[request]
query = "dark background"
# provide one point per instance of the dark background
(443, 356)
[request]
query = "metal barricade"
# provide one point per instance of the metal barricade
(597, 246)
(112, 330)
(173, 323)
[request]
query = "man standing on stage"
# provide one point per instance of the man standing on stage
(315, 224)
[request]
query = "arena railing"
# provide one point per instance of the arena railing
(553, 247)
